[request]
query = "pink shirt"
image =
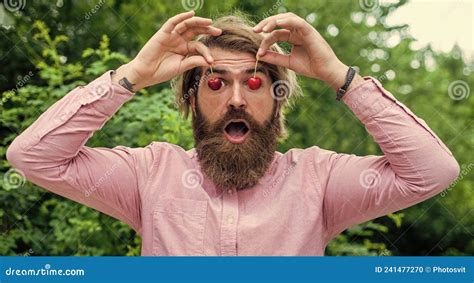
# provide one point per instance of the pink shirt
(306, 198)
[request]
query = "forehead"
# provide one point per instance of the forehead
(231, 57)
(233, 62)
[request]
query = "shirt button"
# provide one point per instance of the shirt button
(230, 219)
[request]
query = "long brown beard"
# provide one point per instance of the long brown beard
(231, 165)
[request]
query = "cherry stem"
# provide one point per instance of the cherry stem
(255, 68)
(212, 73)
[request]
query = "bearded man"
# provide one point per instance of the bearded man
(234, 194)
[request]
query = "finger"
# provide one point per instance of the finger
(259, 27)
(274, 36)
(276, 58)
(292, 23)
(290, 20)
(264, 22)
(193, 22)
(271, 24)
(198, 48)
(170, 24)
(192, 62)
(191, 33)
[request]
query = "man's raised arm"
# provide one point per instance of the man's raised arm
(416, 164)
(52, 152)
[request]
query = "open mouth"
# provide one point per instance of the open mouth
(236, 131)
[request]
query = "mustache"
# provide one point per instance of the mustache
(217, 127)
(234, 114)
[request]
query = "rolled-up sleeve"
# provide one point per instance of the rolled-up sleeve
(52, 153)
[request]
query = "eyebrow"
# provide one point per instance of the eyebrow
(224, 71)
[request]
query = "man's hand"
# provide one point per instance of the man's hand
(311, 55)
(169, 52)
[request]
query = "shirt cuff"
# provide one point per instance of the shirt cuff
(112, 94)
(367, 99)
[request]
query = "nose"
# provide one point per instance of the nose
(237, 101)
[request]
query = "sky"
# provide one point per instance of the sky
(439, 22)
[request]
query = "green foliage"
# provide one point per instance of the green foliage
(43, 64)
(37, 222)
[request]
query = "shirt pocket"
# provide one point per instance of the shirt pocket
(178, 227)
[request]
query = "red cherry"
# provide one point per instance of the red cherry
(254, 83)
(214, 83)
